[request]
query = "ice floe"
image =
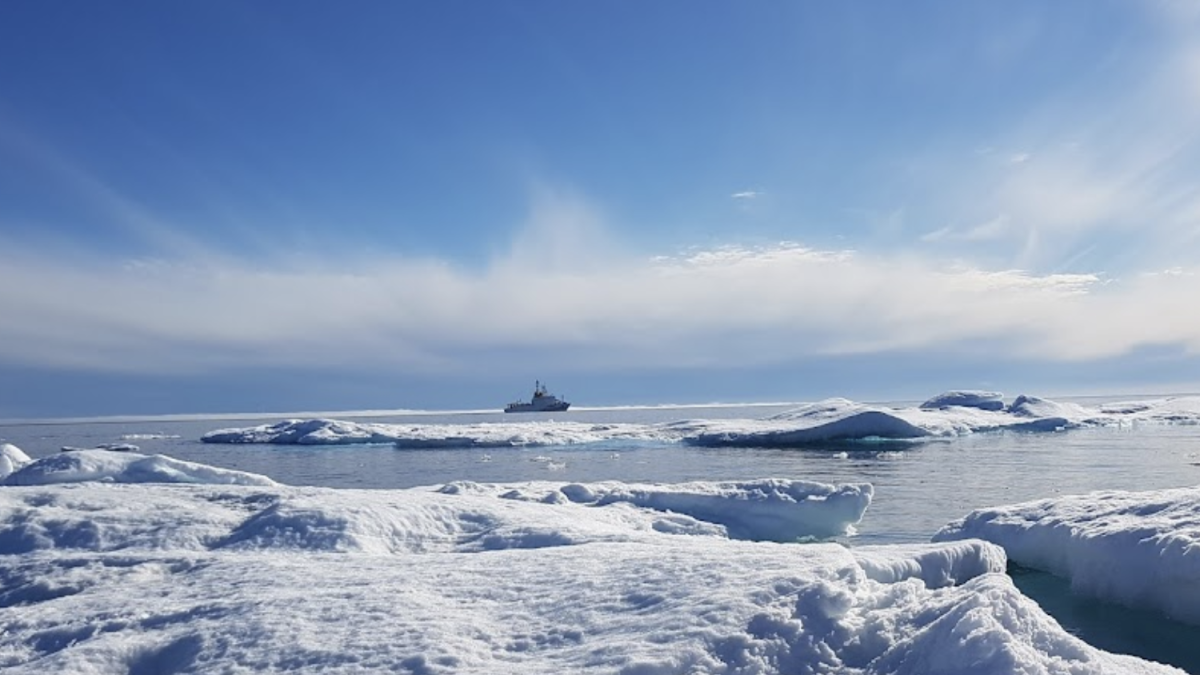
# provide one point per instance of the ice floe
(103, 577)
(115, 447)
(1141, 549)
(124, 467)
(764, 510)
(946, 416)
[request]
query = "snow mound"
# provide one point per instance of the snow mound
(1040, 408)
(853, 426)
(125, 467)
(1141, 549)
(984, 400)
(11, 459)
(470, 578)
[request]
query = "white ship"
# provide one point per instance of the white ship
(542, 401)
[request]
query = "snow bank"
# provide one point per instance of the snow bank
(468, 578)
(1141, 549)
(124, 467)
(11, 459)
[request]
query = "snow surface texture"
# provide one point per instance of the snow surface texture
(948, 415)
(1141, 549)
(467, 578)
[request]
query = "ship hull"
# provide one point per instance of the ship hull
(529, 407)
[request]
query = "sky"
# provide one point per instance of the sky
(242, 206)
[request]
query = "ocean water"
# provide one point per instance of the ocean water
(919, 486)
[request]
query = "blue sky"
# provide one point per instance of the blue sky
(269, 206)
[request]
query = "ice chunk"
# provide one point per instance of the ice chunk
(11, 459)
(1141, 549)
(984, 400)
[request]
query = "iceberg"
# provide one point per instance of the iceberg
(1140, 549)
(110, 577)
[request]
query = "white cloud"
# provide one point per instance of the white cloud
(565, 291)
(747, 194)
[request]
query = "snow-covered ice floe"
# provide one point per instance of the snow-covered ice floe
(418, 436)
(1140, 549)
(764, 510)
(104, 577)
(948, 415)
(116, 466)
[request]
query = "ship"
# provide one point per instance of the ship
(542, 401)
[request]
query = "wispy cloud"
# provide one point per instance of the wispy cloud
(996, 228)
(108, 207)
(747, 194)
(1113, 158)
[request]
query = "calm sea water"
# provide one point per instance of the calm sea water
(918, 487)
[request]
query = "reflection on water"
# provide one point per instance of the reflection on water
(1111, 627)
